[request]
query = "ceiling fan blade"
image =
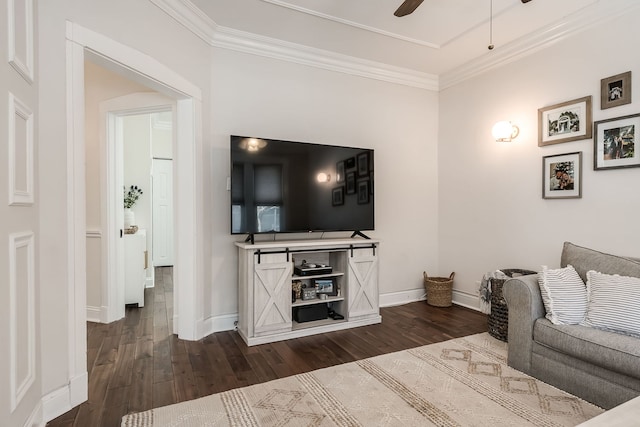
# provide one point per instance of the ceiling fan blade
(526, 1)
(408, 7)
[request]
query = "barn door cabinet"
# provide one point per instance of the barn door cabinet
(266, 274)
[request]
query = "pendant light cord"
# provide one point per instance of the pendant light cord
(490, 47)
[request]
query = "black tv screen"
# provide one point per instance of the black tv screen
(291, 187)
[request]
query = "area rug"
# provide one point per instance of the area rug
(461, 382)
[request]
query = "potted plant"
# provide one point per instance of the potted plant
(131, 196)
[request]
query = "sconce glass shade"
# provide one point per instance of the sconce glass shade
(504, 131)
(323, 177)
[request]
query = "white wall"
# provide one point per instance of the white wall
(448, 198)
(261, 97)
(492, 214)
(162, 130)
(142, 26)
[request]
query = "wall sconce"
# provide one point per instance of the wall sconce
(323, 177)
(504, 131)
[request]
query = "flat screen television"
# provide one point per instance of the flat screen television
(294, 187)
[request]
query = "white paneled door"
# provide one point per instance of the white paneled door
(162, 173)
(20, 375)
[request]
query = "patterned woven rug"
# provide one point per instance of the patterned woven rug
(461, 382)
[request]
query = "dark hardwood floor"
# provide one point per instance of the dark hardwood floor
(137, 363)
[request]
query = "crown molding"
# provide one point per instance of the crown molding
(228, 38)
(587, 18)
(192, 18)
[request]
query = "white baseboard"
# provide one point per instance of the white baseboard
(65, 398)
(398, 298)
(79, 389)
(94, 314)
(226, 322)
(56, 403)
(149, 282)
(466, 300)
(35, 419)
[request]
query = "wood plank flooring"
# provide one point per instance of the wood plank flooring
(137, 363)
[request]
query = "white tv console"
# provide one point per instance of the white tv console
(266, 273)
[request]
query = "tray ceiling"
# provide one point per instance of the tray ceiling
(438, 38)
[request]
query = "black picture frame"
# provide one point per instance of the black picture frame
(351, 183)
(363, 192)
(337, 196)
(614, 143)
(326, 285)
(363, 164)
(340, 171)
(350, 163)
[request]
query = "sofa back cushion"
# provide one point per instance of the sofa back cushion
(584, 259)
(564, 295)
(614, 303)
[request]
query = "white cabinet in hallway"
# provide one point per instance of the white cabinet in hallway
(135, 267)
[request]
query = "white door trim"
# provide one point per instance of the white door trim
(112, 291)
(142, 68)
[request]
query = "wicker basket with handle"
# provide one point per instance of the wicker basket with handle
(439, 290)
(499, 316)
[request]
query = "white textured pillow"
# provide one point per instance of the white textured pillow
(614, 303)
(563, 294)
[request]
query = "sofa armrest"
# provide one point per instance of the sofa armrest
(525, 307)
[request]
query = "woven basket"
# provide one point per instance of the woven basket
(499, 316)
(439, 290)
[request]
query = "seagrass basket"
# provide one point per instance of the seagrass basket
(499, 316)
(439, 290)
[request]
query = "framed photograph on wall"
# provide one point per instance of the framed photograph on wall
(562, 176)
(568, 121)
(363, 192)
(351, 183)
(614, 143)
(363, 164)
(337, 196)
(615, 90)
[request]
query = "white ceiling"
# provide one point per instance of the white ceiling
(439, 37)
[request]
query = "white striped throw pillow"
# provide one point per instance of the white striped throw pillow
(614, 303)
(563, 294)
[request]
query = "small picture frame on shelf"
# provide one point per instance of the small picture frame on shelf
(327, 286)
(615, 90)
(562, 176)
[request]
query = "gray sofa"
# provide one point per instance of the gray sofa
(599, 366)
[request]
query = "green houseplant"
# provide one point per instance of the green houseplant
(131, 196)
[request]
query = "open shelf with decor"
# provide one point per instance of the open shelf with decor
(291, 289)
